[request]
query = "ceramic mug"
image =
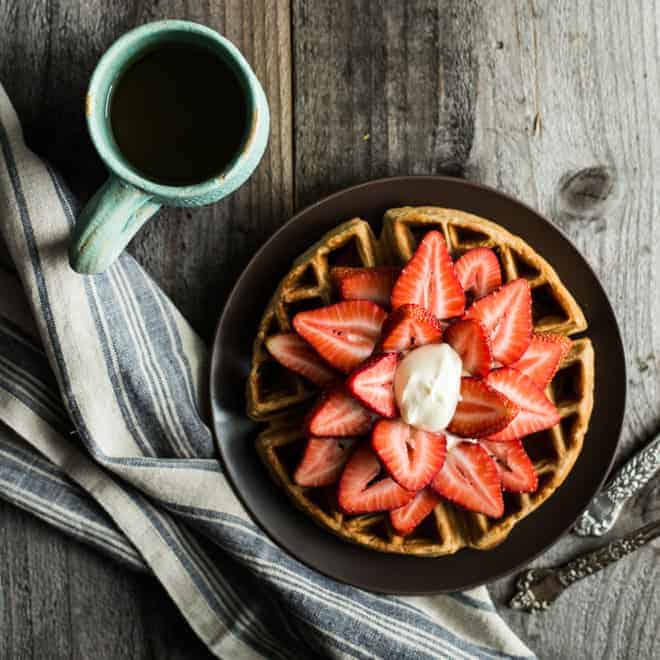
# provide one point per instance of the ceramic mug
(128, 199)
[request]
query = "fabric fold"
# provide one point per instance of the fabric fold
(103, 435)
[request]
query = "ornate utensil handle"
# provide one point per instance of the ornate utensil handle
(537, 588)
(629, 480)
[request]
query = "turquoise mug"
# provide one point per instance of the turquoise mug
(128, 199)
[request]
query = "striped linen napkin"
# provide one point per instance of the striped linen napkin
(102, 384)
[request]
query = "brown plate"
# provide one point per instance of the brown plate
(235, 433)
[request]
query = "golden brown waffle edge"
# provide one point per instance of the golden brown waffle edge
(271, 387)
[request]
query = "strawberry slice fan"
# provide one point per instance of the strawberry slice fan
(359, 441)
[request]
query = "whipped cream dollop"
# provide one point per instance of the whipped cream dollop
(427, 385)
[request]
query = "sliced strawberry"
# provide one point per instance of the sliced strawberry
(410, 326)
(478, 270)
(541, 359)
(537, 412)
(410, 455)
(323, 461)
(481, 410)
(515, 468)
(337, 413)
(373, 284)
(507, 316)
(406, 518)
(429, 280)
(356, 493)
(296, 354)
(470, 340)
(345, 334)
(372, 383)
(469, 478)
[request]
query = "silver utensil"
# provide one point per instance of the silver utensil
(538, 588)
(605, 508)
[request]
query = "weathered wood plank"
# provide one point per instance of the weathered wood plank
(520, 95)
(58, 599)
(568, 89)
(381, 88)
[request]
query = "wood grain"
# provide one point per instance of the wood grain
(553, 102)
(58, 599)
(565, 122)
(381, 88)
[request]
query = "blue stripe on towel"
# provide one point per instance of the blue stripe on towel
(42, 291)
(141, 335)
(228, 615)
(245, 541)
(25, 372)
(35, 484)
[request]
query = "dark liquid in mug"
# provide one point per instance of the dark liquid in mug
(178, 115)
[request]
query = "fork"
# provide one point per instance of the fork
(538, 588)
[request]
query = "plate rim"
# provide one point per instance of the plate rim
(273, 534)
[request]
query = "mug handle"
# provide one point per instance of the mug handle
(107, 223)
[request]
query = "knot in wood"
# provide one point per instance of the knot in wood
(589, 193)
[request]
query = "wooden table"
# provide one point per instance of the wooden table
(553, 102)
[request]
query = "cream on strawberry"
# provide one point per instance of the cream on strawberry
(427, 386)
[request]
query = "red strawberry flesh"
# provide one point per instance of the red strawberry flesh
(478, 271)
(323, 461)
(408, 327)
(411, 456)
(373, 284)
(469, 478)
(514, 466)
(481, 411)
(359, 493)
(406, 518)
(344, 334)
(294, 353)
(429, 280)
(373, 384)
(542, 358)
(507, 317)
(470, 340)
(537, 412)
(338, 414)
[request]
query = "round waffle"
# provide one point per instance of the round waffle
(279, 398)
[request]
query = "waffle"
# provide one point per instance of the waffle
(272, 388)
(279, 398)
